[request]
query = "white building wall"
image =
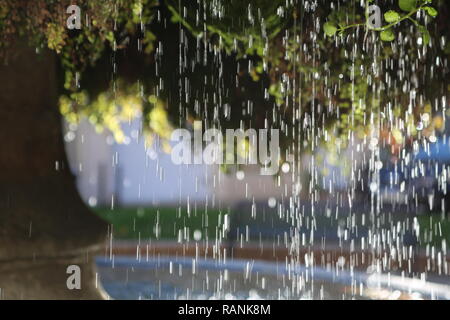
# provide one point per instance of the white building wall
(127, 174)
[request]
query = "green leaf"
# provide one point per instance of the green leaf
(391, 16)
(425, 35)
(387, 35)
(407, 5)
(330, 29)
(432, 12)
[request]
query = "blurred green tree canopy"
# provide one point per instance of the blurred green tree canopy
(314, 69)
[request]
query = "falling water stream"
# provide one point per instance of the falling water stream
(358, 129)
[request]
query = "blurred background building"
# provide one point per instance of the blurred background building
(127, 174)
